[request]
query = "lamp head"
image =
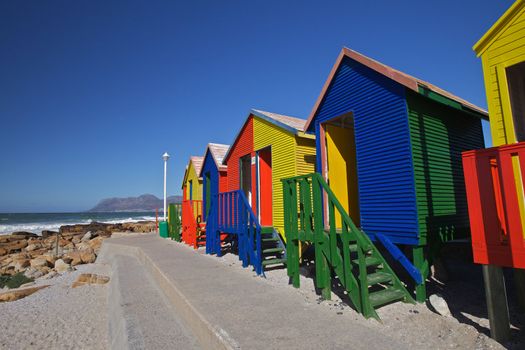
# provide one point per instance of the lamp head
(165, 156)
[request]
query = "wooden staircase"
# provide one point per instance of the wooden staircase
(341, 249)
(273, 250)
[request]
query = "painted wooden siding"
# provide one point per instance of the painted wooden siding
(384, 160)
(210, 167)
(507, 49)
(283, 161)
(439, 134)
(197, 183)
(243, 146)
(223, 181)
(305, 155)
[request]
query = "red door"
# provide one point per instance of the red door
(264, 206)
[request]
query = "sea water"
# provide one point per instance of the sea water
(37, 222)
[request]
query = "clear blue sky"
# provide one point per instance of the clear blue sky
(93, 92)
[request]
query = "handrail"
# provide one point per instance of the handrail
(234, 215)
(335, 239)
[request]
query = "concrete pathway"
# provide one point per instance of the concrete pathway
(220, 307)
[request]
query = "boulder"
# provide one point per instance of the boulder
(20, 264)
(33, 246)
(33, 273)
(89, 278)
(19, 293)
(96, 243)
(87, 256)
(14, 246)
(39, 262)
(87, 236)
(72, 258)
(439, 305)
(3, 251)
(61, 266)
(47, 233)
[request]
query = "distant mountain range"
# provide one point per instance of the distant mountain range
(146, 202)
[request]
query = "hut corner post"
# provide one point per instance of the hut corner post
(497, 307)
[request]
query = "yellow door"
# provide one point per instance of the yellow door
(342, 169)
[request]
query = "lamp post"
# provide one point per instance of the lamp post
(165, 156)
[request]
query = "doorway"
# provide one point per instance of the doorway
(516, 82)
(264, 186)
(341, 165)
(246, 176)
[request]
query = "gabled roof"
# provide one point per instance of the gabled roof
(291, 124)
(217, 151)
(410, 82)
(197, 165)
(498, 28)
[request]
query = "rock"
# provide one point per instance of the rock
(439, 305)
(47, 233)
(24, 234)
(61, 266)
(82, 246)
(20, 264)
(3, 251)
(89, 278)
(33, 246)
(39, 262)
(96, 243)
(51, 275)
(28, 284)
(14, 246)
(19, 293)
(87, 236)
(87, 256)
(33, 273)
(72, 258)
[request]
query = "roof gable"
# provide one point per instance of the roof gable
(406, 80)
(499, 27)
(293, 125)
(217, 152)
(196, 163)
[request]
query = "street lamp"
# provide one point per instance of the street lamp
(165, 156)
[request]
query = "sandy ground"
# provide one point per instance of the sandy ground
(416, 325)
(58, 317)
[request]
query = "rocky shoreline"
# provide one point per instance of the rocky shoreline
(36, 256)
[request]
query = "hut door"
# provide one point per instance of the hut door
(264, 186)
(207, 189)
(342, 165)
(246, 177)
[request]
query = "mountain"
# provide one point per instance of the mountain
(146, 202)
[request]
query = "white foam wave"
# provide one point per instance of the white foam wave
(38, 227)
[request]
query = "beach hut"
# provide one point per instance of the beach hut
(389, 162)
(495, 177)
(214, 174)
(268, 147)
(192, 202)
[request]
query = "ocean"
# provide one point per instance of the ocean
(37, 222)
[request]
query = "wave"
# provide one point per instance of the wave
(38, 227)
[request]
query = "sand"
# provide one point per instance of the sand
(58, 317)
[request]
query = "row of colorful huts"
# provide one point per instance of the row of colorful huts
(369, 185)
(372, 184)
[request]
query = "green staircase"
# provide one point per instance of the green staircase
(341, 249)
(273, 251)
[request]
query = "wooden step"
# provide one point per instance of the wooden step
(272, 239)
(379, 277)
(369, 261)
(273, 250)
(386, 296)
(273, 262)
(266, 230)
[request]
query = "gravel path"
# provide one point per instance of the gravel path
(58, 317)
